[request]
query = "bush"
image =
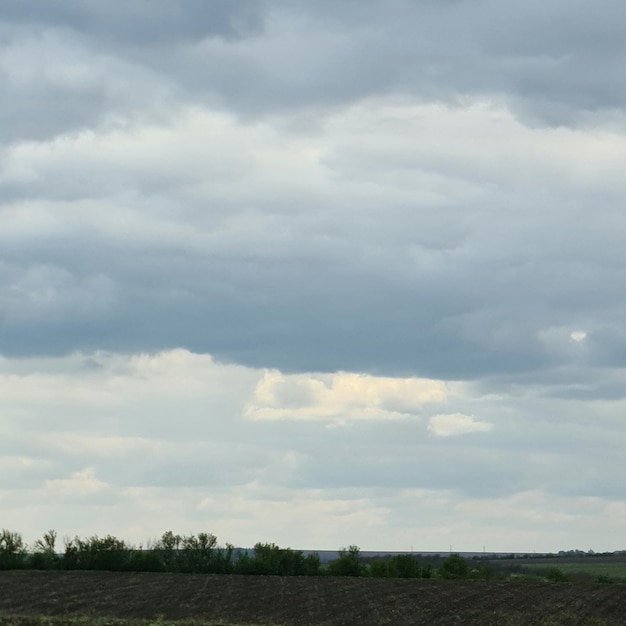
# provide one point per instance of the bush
(141, 560)
(45, 555)
(603, 578)
(396, 566)
(454, 567)
(223, 560)
(406, 566)
(196, 554)
(379, 568)
(349, 563)
(556, 575)
(106, 553)
(12, 550)
(269, 559)
(168, 550)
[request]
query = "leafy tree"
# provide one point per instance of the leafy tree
(349, 563)
(406, 566)
(223, 560)
(169, 549)
(196, 553)
(427, 570)
(396, 566)
(44, 555)
(269, 559)
(454, 567)
(12, 550)
(312, 564)
(379, 568)
(190, 553)
(144, 560)
(106, 553)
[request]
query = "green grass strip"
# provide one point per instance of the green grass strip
(90, 620)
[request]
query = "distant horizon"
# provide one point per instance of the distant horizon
(143, 544)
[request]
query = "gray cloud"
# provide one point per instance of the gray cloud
(85, 64)
(138, 22)
(405, 189)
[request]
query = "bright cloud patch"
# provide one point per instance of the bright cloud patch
(578, 336)
(456, 424)
(83, 482)
(342, 396)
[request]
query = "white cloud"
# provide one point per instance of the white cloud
(80, 483)
(178, 440)
(341, 397)
(450, 425)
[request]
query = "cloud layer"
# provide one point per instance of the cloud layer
(263, 263)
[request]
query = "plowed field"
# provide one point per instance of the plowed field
(307, 601)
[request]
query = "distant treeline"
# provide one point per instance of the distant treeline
(202, 554)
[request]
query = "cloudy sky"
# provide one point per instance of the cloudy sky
(318, 273)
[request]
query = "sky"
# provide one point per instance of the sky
(314, 273)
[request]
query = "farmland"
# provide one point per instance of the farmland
(592, 568)
(113, 598)
(614, 571)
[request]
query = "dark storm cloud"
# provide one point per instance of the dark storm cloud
(68, 65)
(138, 22)
(345, 277)
(323, 308)
(555, 63)
(297, 314)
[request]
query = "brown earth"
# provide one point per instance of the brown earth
(320, 601)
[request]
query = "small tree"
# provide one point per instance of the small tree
(44, 555)
(223, 560)
(312, 564)
(349, 563)
(379, 568)
(106, 553)
(196, 554)
(556, 575)
(269, 559)
(12, 550)
(169, 549)
(454, 567)
(405, 566)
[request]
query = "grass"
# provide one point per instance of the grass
(612, 570)
(86, 620)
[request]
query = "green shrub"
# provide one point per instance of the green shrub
(12, 550)
(454, 567)
(406, 566)
(168, 549)
(556, 575)
(95, 553)
(349, 563)
(269, 559)
(223, 560)
(396, 566)
(140, 560)
(603, 578)
(44, 555)
(196, 553)
(379, 568)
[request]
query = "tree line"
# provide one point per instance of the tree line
(201, 554)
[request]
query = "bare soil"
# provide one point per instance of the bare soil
(319, 601)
